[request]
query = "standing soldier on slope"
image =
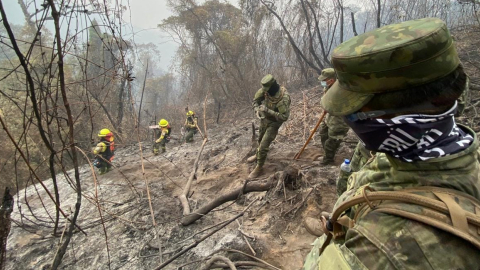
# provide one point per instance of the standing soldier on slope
(105, 151)
(191, 126)
(415, 204)
(332, 129)
(272, 105)
(163, 136)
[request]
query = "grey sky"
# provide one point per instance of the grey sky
(144, 16)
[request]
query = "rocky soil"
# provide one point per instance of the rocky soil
(118, 231)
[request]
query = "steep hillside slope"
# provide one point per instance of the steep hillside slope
(271, 227)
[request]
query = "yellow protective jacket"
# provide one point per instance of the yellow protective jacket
(191, 122)
(105, 148)
(164, 132)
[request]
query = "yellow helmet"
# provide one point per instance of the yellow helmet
(163, 123)
(105, 133)
(190, 113)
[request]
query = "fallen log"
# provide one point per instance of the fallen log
(183, 197)
(186, 191)
(250, 187)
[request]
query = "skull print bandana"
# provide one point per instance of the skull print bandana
(413, 137)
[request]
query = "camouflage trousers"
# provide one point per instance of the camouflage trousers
(189, 135)
(360, 157)
(332, 131)
(268, 132)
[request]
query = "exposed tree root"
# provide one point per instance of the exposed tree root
(249, 187)
(218, 258)
(235, 194)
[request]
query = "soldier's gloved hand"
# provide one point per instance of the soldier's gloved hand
(271, 112)
(266, 110)
(158, 141)
(98, 149)
(259, 114)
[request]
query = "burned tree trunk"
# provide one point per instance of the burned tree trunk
(5, 223)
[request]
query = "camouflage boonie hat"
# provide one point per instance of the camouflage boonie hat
(390, 58)
(267, 81)
(327, 73)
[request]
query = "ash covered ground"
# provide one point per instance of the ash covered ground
(272, 225)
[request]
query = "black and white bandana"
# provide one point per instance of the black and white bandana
(413, 137)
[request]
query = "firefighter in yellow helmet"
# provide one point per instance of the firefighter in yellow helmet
(191, 126)
(105, 151)
(163, 137)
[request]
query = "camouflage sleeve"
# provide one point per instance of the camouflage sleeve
(360, 157)
(283, 108)
(258, 98)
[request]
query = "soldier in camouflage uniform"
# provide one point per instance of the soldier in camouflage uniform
(272, 105)
(332, 129)
(397, 89)
(361, 155)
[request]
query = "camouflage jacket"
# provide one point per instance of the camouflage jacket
(279, 104)
(382, 241)
(359, 158)
(337, 125)
(335, 122)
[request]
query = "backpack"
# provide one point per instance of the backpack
(445, 209)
